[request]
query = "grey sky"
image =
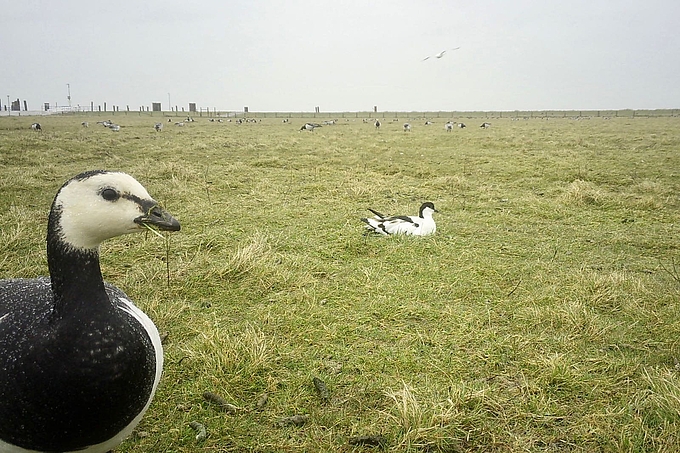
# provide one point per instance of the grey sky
(343, 55)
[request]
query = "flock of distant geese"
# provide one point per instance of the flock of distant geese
(448, 126)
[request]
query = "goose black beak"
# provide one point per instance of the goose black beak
(158, 218)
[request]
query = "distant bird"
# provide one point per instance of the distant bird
(80, 362)
(440, 54)
(485, 125)
(428, 123)
(179, 123)
(309, 127)
(114, 127)
(158, 127)
(85, 124)
(461, 125)
(420, 225)
(407, 127)
(105, 123)
(377, 124)
(448, 126)
(36, 127)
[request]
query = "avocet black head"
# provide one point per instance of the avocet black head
(426, 209)
(80, 363)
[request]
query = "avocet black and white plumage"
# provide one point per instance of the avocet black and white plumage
(407, 127)
(485, 125)
(377, 124)
(420, 225)
(36, 127)
(448, 126)
(159, 127)
(80, 363)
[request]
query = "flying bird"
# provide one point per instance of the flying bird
(440, 54)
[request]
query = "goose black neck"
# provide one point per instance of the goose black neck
(75, 273)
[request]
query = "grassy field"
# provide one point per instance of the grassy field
(543, 315)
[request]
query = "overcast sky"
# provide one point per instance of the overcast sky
(343, 55)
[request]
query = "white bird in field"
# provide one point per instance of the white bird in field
(158, 127)
(440, 54)
(420, 225)
(407, 127)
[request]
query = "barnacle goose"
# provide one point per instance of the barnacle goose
(420, 225)
(309, 126)
(80, 363)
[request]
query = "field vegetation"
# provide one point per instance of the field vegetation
(544, 314)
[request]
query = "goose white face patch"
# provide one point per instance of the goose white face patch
(99, 207)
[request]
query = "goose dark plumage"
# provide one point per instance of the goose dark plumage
(80, 363)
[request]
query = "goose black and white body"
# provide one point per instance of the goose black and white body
(309, 127)
(420, 225)
(80, 363)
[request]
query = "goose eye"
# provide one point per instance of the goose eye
(110, 195)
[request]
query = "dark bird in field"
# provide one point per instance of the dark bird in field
(420, 225)
(80, 362)
(309, 127)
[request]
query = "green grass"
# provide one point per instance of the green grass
(543, 316)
